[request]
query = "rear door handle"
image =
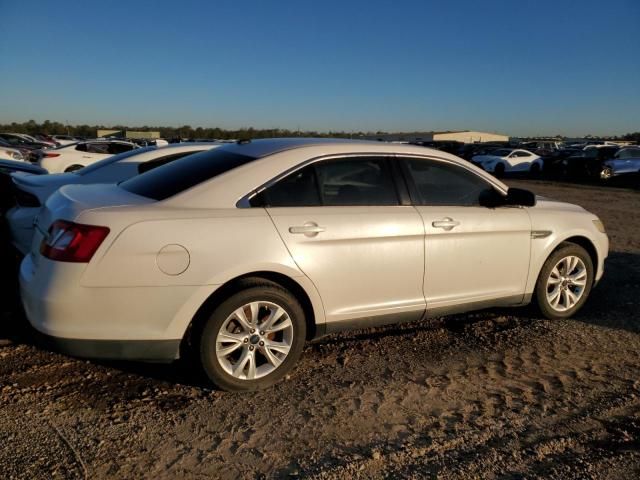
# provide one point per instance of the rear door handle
(310, 229)
(446, 223)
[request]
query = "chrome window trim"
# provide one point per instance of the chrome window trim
(244, 202)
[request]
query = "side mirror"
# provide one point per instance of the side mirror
(515, 196)
(520, 197)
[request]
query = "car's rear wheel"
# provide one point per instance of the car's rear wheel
(606, 174)
(73, 168)
(499, 170)
(534, 170)
(564, 282)
(254, 338)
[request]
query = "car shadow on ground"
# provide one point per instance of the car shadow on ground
(613, 303)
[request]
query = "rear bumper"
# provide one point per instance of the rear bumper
(107, 323)
(141, 350)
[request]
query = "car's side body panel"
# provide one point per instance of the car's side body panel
(368, 261)
(485, 257)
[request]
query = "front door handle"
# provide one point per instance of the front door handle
(309, 229)
(446, 223)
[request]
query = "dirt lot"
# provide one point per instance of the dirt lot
(501, 393)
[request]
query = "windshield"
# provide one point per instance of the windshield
(168, 180)
(115, 158)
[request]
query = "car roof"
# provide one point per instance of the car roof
(269, 146)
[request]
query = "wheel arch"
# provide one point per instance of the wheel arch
(588, 245)
(234, 285)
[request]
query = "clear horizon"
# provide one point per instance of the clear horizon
(563, 68)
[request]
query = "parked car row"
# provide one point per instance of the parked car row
(597, 159)
(237, 255)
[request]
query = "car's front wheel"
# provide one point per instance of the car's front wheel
(534, 170)
(254, 338)
(564, 282)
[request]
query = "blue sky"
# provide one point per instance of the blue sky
(517, 67)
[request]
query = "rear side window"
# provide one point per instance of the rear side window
(116, 148)
(341, 182)
(102, 148)
(168, 180)
(300, 189)
(356, 182)
(440, 183)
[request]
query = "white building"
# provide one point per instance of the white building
(463, 136)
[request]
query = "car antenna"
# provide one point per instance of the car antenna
(243, 141)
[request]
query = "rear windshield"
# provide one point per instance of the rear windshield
(168, 180)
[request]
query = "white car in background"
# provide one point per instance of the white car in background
(504, 160)
(241, 254)
(9, 153)
(65, 139)
(31, 192)
(75, 156)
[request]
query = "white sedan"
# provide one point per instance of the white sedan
(31, 192)
(9, 153)
(75, 156)
(509, 160)
(241, 254)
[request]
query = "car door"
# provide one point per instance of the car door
(474, 256)
(522, 160)
(346, 229)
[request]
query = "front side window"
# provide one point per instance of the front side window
(440, 183)
(365, 181)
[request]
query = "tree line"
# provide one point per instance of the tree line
(187, 131)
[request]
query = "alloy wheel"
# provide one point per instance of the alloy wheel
(254, 340)
(566, 283)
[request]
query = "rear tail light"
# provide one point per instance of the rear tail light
(72, 242)
(51, 155)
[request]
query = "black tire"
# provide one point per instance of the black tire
(73, 168)
(534, 170)
(252, 290)
(498, 170)
(564, 250)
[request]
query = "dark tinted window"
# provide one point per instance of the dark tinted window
(116, 148)
(523, 154)
(168, 180)
(356, 182)
(300, 189)
(345, 182)
(440, 183)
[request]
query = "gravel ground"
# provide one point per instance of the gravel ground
(500, 393)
